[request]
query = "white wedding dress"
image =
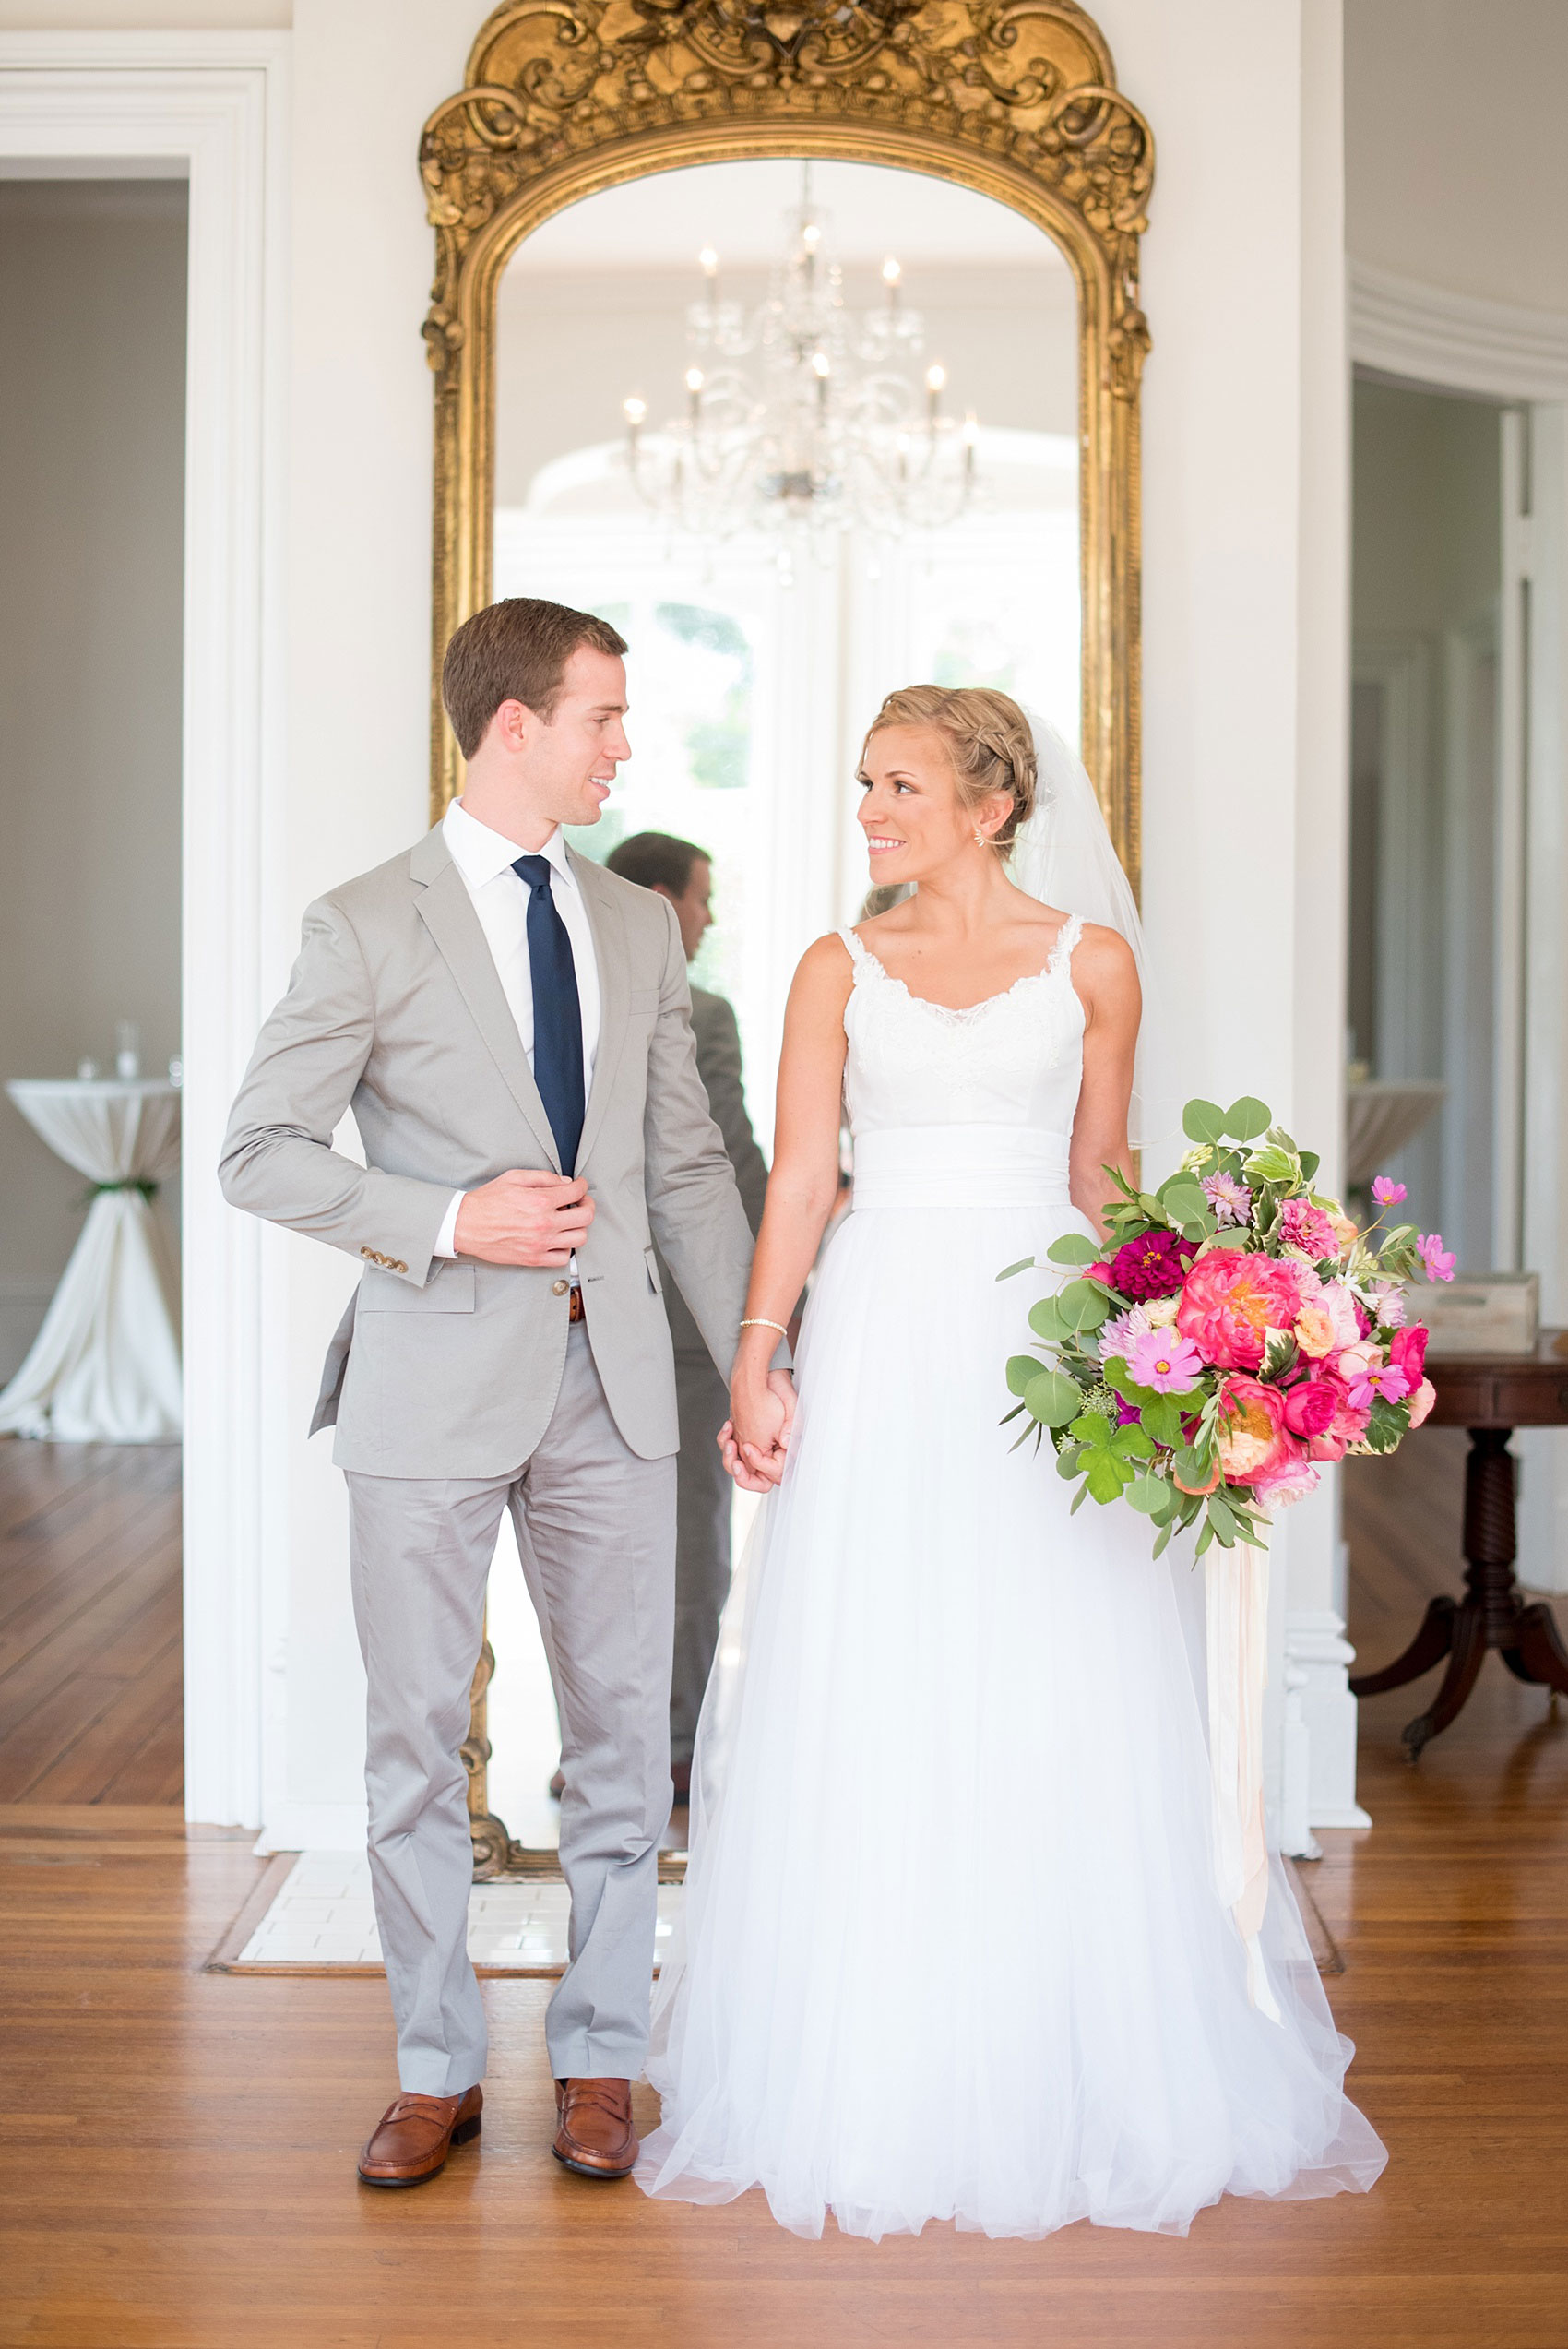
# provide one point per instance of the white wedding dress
(952, 1946)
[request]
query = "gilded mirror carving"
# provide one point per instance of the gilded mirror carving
(1016, 100)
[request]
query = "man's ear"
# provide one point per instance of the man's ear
(662, 889)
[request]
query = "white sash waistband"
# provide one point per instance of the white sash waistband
(961, 1166)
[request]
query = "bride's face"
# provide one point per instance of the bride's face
(914, 821)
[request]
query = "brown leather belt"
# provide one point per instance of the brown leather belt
(575, 1310)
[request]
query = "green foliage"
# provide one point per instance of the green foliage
(1273, 1164)
(1053, 1399)
(1073, 1248)
(1023, 1265)
(1204, 1121)
(1147, 1493)
(1385, 1425)
(1280, 1354)
(1083, 1304)
(1021, 1369)
(1045, 1320)
(1247, 1118)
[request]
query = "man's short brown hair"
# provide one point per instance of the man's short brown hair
(515, 650)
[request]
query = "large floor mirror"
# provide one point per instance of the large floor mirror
(809, 354)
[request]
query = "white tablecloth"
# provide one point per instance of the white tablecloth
(106, 1366)
(1381, 1117)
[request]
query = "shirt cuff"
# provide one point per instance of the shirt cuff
(447, 1238)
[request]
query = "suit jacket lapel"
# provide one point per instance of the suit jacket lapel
(614, 992)
(447, 911)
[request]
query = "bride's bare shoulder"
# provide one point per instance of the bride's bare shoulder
(826, 973)
(1104, 965)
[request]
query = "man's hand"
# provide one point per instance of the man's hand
(527, 1217)
(754, 1441)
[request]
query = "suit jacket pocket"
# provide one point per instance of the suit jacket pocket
(450, 1289)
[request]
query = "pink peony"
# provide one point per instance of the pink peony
(1422, 1401)
(1390, 1306)
(1407, 1353)
(1304, 1226)
(1252, 1440)
(1292, 1480)
(1097, 1272)
(1170, 1366)
(1311, 1406)
(1340, 1306)
(1154, 1266)
(1231, 1300)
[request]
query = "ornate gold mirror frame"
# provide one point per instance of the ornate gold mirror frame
(1015, 99)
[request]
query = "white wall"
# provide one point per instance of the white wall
(1456, 166)
(1244, 618)
(92, 490)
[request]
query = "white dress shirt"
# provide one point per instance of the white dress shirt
(500, 898)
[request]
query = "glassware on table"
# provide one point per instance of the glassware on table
(87, 1072)
(127, 1050)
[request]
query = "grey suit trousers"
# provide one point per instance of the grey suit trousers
(703, 1500)
(596, 1531)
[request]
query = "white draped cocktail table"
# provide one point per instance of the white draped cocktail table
(106, 1366)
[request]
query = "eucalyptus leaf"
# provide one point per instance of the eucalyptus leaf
(1083, 1304)
(1079, 1497)
(1186, 1202)
(1069, 1459)
(1163, 1537)
(1052, 1398)
(1147, 1493)
(1222, 1519)
(1204, 1121)
(1247, 1118)
(1021, 1369)
(1022, 1266)
(1045, 1320)
(1073, 1248)
(1206, 1535)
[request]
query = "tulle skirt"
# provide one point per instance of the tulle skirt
(952, 1947)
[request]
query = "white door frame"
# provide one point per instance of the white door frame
(211, 108)
(1452, 342)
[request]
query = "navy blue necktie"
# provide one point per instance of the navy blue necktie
(557, 1013)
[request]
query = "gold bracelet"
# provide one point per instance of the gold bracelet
(760, 1321)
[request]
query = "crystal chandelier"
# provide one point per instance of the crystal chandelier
(825, 433)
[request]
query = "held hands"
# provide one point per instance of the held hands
(754, 1441)
(527, 1217)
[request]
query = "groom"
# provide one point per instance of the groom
(510, 1025)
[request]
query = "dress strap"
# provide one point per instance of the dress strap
(1067, 937)
(860, 956)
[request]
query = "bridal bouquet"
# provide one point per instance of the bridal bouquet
(1234, 1331)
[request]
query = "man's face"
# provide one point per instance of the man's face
(693, 910)
(571, 756)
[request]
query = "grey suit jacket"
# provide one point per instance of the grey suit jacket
(719, 1065)
(450, 1368)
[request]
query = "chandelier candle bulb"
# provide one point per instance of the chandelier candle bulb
(892, 277)
(934, 379)
(693, 392)
(635, 411)
(708, 259)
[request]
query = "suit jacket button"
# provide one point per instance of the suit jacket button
(559, 1288)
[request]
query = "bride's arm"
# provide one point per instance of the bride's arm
(801, 1189)
(1107, 979)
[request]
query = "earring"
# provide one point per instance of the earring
(981, 841)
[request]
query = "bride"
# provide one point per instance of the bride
(952, 1945)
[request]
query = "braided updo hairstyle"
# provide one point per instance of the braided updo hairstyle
(989, 739)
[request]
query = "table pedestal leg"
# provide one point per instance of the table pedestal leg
(1490, 1614)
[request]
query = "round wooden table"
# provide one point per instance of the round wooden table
(1491, 1395)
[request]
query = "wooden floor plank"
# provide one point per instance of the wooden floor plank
(177, 2146)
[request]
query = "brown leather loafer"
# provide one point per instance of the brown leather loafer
(414, 2135)
(594, 2135)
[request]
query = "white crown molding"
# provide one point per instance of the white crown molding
(212, 107)
(1456, 341)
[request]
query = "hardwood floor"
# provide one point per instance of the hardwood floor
(176, 2147)
(91, 1697)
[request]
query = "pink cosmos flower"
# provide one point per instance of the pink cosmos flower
(1232, 1201)
(1155, 1266)
(1386, 1193)
(1309, 1228)
(1435, 1257)
(1380, 1380)
(1231, 1300)
(1291, 1480)
(1171, 1365)
(1422, 1401)
(1253, 1441)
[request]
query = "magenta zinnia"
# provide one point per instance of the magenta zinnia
(1155, 1265)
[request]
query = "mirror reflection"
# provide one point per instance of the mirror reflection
(803, 433)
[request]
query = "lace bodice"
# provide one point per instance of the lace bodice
(1015, 1059)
